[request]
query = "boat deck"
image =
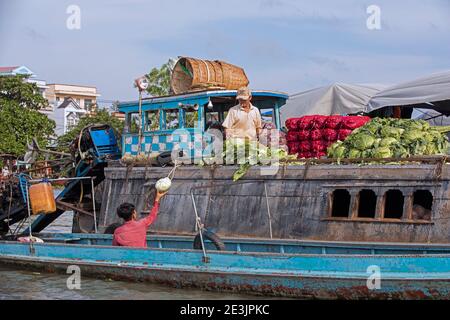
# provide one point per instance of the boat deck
(257, 245)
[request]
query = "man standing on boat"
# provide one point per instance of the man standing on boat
(133, 233)
(243, 120)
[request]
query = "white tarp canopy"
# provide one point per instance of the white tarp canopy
(429, 92)
(340, 98)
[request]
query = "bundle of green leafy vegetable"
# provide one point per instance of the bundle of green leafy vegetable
(392, 138)
(248, 153)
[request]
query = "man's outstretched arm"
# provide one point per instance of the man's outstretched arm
(154, 213)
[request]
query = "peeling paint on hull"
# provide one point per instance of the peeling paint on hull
(302, 288)
(279, 275)
(299, 199)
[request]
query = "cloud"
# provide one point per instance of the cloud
(322, 71)
(282, 44)
(33, 34)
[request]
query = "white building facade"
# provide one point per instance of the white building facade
(67, 103)
(31, 76)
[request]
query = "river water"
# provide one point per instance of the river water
(19, 284)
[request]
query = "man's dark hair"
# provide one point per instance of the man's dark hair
(125, 211)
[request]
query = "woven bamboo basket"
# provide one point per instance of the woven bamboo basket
(191, 74)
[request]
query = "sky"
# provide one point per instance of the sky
(283, 45)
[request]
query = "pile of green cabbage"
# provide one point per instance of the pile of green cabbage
(392, 138)
(255, 154)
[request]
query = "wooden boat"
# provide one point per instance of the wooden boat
(287, 268)
(284, 231)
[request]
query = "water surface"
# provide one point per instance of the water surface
(20, 284)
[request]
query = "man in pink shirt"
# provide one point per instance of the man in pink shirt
(133, 233)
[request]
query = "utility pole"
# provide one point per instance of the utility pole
(141, 84)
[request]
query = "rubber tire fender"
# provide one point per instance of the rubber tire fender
(211, 236)
(112, 227)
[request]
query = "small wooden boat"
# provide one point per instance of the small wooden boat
(287, 268)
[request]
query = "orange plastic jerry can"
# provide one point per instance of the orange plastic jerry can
(42, 198)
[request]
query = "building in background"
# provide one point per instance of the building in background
(68, 103)
(118, 115)
(24, 71)
(66, 115)
(84, 96)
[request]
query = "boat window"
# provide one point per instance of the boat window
(171, 119)
(133, 122)
(422, 205)
(191, 119)
(394, 203)
(340, 203)
(211, 119)
(267, 115)
(367, 204)
(152, 118)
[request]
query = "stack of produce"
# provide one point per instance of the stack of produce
(310, 136)
(392, 138)
(251, 153)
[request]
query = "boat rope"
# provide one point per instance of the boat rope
(127, 173)
(268, 210)
(305, 172)
(29, 220)
(82, 154)
(81, 192)
(200, 226)
(19, 226)
(93, 203)
(171, 174)
(210, 191)
(10, 202)
(283, 172)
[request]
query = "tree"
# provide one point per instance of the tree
(24, 93)
(159, 79)
(20, 120)
(101, 117)
(115, 106)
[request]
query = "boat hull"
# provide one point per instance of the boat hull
(267, 285)
(295, 203)
(305, 276)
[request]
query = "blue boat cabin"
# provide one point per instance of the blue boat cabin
(183, 119)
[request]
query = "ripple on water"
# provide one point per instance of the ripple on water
(18, 284)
